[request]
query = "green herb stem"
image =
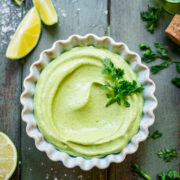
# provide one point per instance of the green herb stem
(167, 154)
(118, 88)
(138, 171)
(173, 61)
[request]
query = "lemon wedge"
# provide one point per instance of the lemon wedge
(8, 157)
(47, 12)
(26, 36)
(18, 2)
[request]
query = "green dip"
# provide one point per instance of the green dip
(69, 105)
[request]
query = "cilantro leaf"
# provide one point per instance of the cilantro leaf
(144, 46)
(170, 175)
(139, 172)
(148, 56)
(178, 67)
(167, 154)
(119, 89)
(151, 16)
(176, 81)
(115, 73)
(162, 51)
(156, 134)
(157, 68)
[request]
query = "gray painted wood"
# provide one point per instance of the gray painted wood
(126, 26)
(79, 17)
(10, 76)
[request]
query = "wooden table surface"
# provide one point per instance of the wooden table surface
(121, 20)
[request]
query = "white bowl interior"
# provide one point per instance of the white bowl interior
(100, 42)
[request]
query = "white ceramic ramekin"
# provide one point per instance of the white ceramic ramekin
(47, 56)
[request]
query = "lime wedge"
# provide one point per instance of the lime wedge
(47, 12)
(8, 157)
(173, 1)
(26, 36)
(18, 2)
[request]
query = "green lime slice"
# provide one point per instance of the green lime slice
(8, 157)
(173, 1)
(18, 2)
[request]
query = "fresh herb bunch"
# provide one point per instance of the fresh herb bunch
(170, 175)
(151, 17)
(167, 154)
(156, 134)
(119, 88)
(162, 53)
(139, 172)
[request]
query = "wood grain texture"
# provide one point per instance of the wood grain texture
(10, 76)
(75, 17)
(81, 17)
(127, 26)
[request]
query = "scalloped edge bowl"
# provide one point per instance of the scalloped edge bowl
(29, 88)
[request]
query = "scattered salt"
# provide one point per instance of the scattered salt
(80, 177)
(106, 12)
(51, 169)
(19, 162)
(8, 20)
(65, 174)
(63, 13)
(73, 1)
(42, 163)
(29, 148)
(47, 176)
(78, 9)
(55, 178)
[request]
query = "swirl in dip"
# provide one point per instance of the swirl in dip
(69, 105)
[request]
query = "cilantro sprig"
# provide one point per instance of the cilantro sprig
(167, 154)
(156, 134)
(151, 17)
(139, 172)
(170, 175)
(148, 55)
(118, 88)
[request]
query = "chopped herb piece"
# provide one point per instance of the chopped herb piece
(151, 16)
(170, 175)
(139, 172)
(144, 46)
(148, 56)
(157, 68)
(163, 52)
(178, 67)
(156, 134)
(115, 73)
(176, 81)
(126, 104)
(167, 154)
(119, 88)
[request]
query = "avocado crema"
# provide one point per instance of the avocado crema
(69, 104)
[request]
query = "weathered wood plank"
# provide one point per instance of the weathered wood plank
(10, 73)
(126, 26)
(79, 17)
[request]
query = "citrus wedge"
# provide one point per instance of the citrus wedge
(8, 157)
(173, 1)
(18, 2)
(47, 12)
(26, 36)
